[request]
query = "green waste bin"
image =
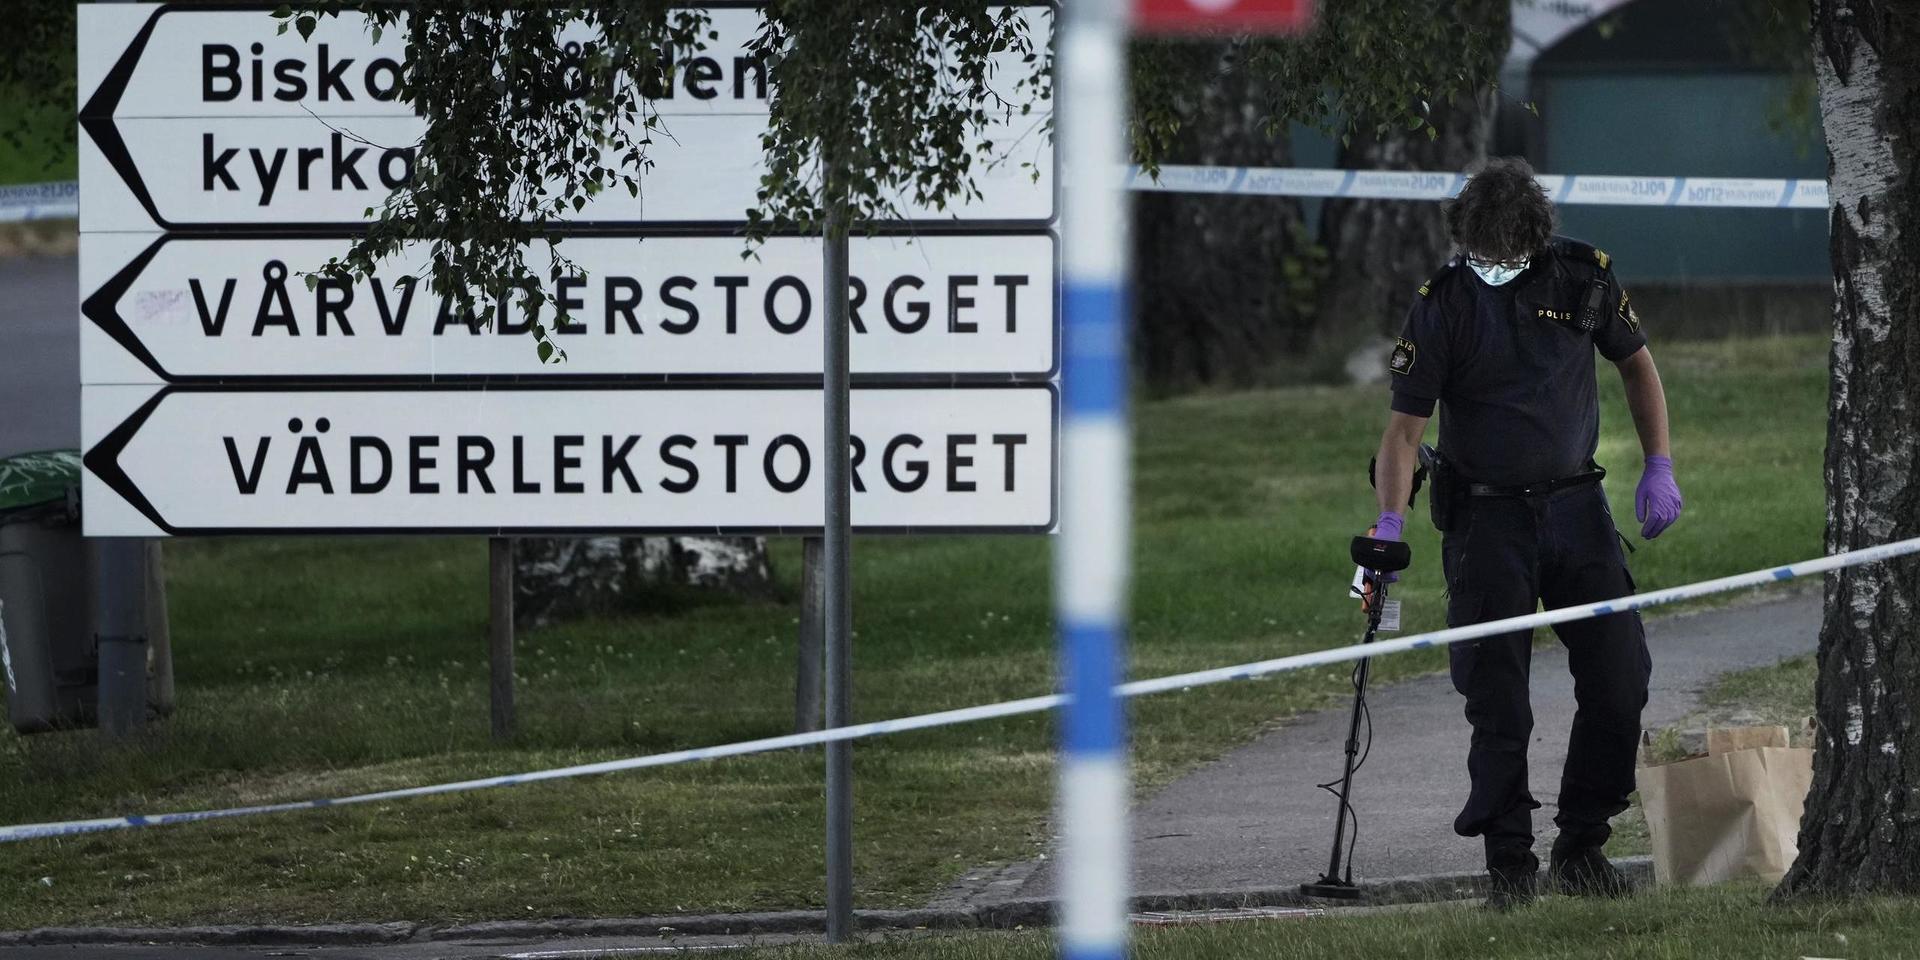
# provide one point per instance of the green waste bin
(46, 630)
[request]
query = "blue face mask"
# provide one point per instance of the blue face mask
(1496, 272)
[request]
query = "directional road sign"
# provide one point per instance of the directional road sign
(525, 458)
(199, 119)
(229, 389)
(206, 309)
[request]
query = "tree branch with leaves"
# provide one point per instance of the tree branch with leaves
(531, 110)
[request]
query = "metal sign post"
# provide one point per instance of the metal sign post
(122, 612)
(500, 587)
(119, 572)
(838, 539)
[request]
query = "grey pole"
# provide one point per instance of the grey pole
(159, 631)
(120, 625)
(838, 537)
(806, 674)
(120, 633)
(500, 633)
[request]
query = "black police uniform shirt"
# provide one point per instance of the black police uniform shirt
(1512, 366)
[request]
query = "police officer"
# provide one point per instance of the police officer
(1502, 340)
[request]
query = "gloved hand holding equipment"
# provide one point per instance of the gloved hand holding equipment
(1388, 527)
(1380, 558)
(1391, 523)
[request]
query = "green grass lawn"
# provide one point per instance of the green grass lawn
(1729, 923)
(1781, 694)
(322, 667)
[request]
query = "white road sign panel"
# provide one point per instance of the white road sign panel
(295, 173)
(178, 136)
(524, 459)
(201, 309)
(179, 61)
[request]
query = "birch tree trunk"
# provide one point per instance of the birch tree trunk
(1861, 831)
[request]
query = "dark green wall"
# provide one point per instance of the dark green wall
(1706, 124)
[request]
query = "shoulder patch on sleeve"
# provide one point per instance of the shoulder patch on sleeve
(1628, 313)
(1401, 362)
(1426, 289)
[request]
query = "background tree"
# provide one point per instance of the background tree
(1220, 280)
(1380, 251)
(36, 79)
(1861, 831)
(1234, 290)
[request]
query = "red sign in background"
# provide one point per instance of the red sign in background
(1222, 16)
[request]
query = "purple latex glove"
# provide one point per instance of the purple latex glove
(1656, 502)
(1388, 527)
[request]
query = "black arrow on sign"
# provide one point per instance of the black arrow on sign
(103, 308)
(97, 116)
(104, 460)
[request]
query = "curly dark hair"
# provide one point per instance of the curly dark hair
(1502, 212)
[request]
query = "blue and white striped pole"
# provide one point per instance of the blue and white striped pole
(1093, 556)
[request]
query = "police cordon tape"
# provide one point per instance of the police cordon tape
(1012, 708)
(53, 201)
(40, 201)
(1421, 185)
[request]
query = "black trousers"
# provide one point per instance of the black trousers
(1510, 554)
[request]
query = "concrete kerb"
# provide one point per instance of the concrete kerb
(1003, 915)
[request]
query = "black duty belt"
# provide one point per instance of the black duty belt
(1535, 489)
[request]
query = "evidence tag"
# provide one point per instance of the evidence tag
(1390, 616)
(1389, 611)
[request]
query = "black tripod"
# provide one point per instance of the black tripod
(1378, 557)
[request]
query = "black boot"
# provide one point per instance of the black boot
(1513, 878)
(1583, 871)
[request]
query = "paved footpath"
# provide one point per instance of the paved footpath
(1254, 820)
(40, 359)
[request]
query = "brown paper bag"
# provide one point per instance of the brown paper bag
(1728, 739)
(1732, 813)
